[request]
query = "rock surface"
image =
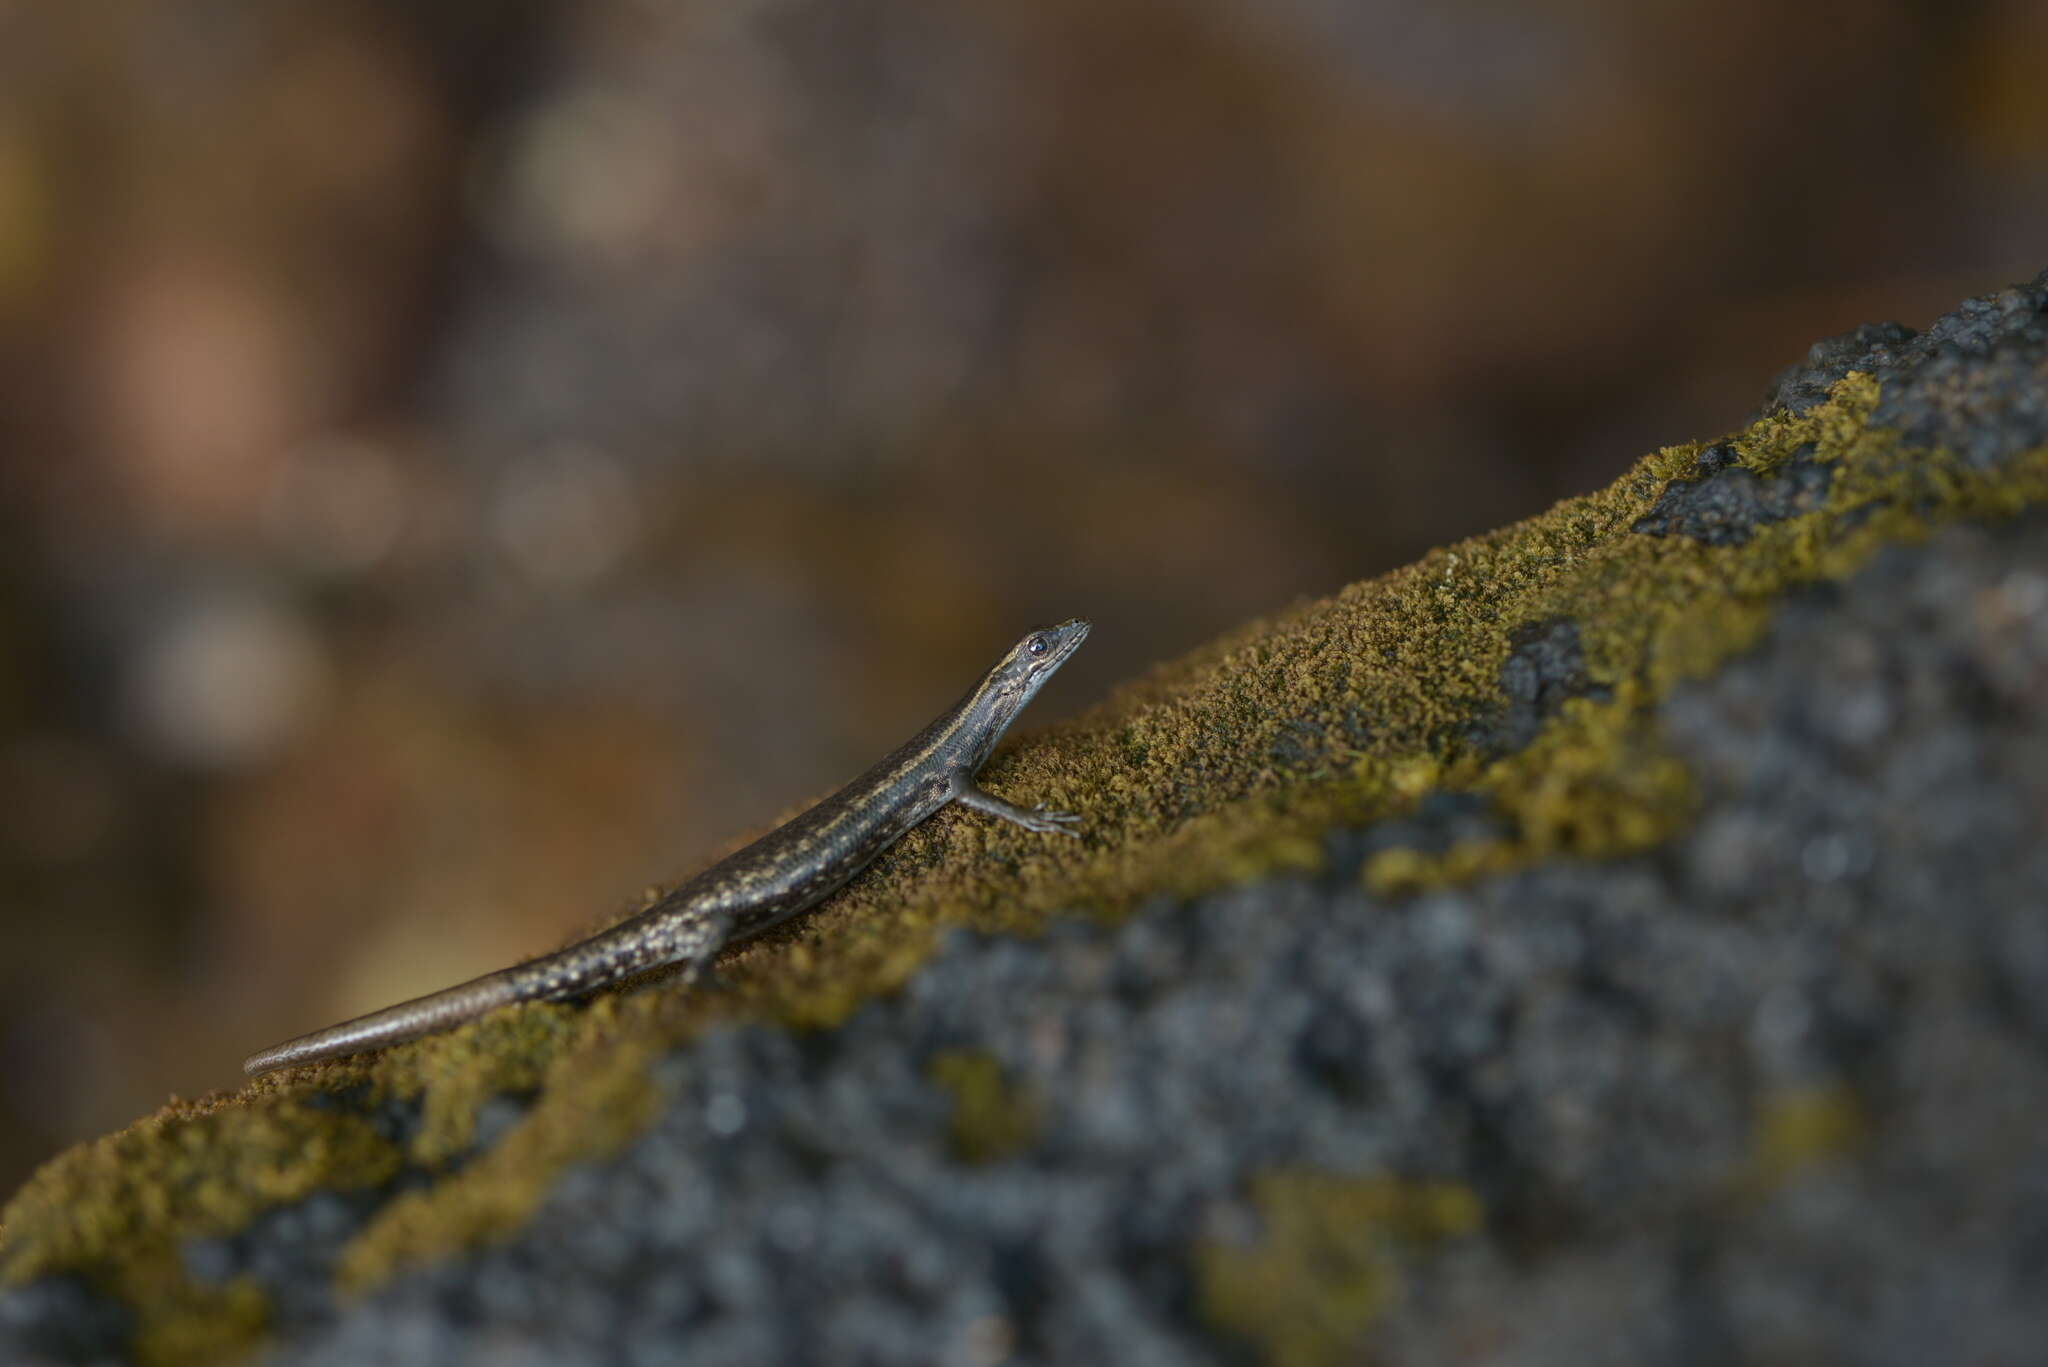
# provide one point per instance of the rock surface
(1667, 997)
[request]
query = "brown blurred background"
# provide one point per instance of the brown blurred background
(462, 461)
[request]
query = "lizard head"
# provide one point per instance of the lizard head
(1016, 678)
(1037, 655)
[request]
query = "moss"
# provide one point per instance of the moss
(196, 1323)
(1802, 1128)
(600, 1096)
(1226, 766)
(505, 1052)
(992, 1118)
(118, 1208)
(132, 1188)
(1327, 1260)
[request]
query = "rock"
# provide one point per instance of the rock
(1617, 938)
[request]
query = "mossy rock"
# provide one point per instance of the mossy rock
(1568, 930)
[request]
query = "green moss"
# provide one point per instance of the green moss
(1326, 1261)
(505, 1052)
(195, 1323)
(1226, 766)
(991, 1118)
(166, 1172)
(1802, 1128)
(117, 1208)
(599, 1097)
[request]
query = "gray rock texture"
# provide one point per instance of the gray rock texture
(1852, 938)
(1976, 380)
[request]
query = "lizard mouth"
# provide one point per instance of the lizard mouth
(1071, 633)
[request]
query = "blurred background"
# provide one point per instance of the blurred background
(461, 462)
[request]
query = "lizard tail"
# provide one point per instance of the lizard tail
(611, 956)
(407, 1020)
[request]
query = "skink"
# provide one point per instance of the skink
(786, 871)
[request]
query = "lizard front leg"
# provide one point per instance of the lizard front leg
(1037, 819)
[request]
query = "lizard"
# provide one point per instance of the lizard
(787, 871)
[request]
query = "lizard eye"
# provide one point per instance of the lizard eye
(1037, 645)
